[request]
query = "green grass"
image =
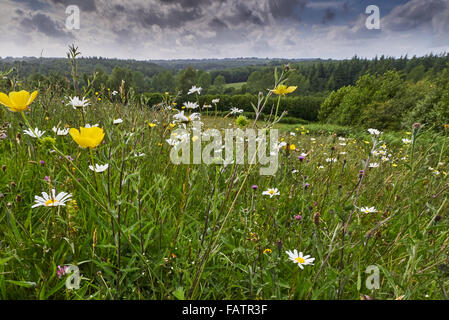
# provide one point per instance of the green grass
(236, 85)
(149, 229)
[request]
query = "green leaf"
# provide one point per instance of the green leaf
(179, 293)
(26, 284)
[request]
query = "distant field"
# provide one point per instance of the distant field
(236, 85)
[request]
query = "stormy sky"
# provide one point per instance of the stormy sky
(175, 29)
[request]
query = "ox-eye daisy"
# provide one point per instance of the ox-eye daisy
(368, 210)
(76, 102)
(61, 132)
(300, 259)
(99, 168)
(195, 89)
(271, 192)
(34, 133)
(52, 200)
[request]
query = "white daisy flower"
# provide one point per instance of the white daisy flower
(406, 141)
(374, 165)
(195, 89)
(236, 110)
(374, 132)
(114, 93)
(34, 133)
(99, 168)
(191, 105)
(331, 160)
(183, 118)
(90, 126)
(368, 210)
(75, 102)
(207, 106)
(117, 121)
(215, 101)
(53, 200)
(139, 154)
(61, 132)
(271, 192)
(300, 259)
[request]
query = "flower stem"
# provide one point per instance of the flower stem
(277, 108)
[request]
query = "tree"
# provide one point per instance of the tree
(186, 79)
(163, 82)
(205, 81)
(219, 83)
(119, 74)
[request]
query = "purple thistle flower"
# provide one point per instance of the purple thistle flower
(47, 178)
(254, 187)
(298, 217)
(42, 162)
(301, 158)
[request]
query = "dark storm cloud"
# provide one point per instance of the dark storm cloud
(286, 8)
(217, 25)
(33, 4)
(43, 24)
(414, 14)
(329, 15)
(119, 8)
(173, 18)
(187, 3)
(243, 14)
(84, 5)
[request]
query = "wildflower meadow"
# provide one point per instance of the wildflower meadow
(93, 207)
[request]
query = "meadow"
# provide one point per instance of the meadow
(138, 226)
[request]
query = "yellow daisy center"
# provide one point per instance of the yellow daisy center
(49, 202)
(271, 191)
(300, 260)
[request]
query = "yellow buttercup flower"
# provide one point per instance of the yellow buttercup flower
(283, 90)
(87, 137)
(17, 100)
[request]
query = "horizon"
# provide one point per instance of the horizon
(211, 29)
(236, 58)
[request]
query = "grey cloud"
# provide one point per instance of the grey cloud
(33, 4)
(43, 24)
(414, 14)
(84, 5)
(329, 15)
(188, 3)
(286, 8)
(245, 15)
(217, 25)
(173, 18)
